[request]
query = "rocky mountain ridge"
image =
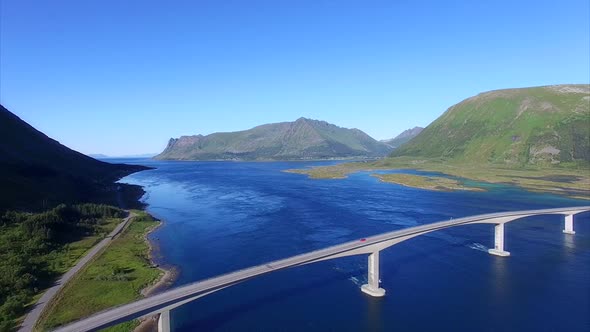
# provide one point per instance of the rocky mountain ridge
(302, 139)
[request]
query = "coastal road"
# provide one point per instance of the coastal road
(173, 298)
(38, 308)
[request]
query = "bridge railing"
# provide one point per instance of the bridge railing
(164, 301)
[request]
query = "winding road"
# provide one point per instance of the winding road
(33, 316)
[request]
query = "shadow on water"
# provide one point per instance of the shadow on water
(440, 249)
(374, 315)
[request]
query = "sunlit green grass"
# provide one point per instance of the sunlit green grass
(569, 180)
(115, 277)
(62, 260)
(437, 183)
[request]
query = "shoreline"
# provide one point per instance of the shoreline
(50, 296)
(542, 180)
(349, 159)
(432, 183)
(100, 286)
(167, 277)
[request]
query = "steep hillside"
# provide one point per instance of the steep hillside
(302, 139)
(404, 137)
(541, 125)
(38, 172)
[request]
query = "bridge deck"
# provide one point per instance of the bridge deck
(178, 296)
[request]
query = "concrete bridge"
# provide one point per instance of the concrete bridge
(371, 246)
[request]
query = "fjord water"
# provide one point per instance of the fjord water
(223, 216)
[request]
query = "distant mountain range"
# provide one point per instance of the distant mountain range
(103, 156)
(302, 139)
(98, 156)
(38, 172)
(403, 138)
(546, 125)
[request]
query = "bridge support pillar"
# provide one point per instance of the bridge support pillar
(164, 321)
(569, 224)
(372, 287)
(499, 242)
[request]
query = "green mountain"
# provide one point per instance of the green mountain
(403, 138)
(38, 172)
(546, 125)
(302, 139)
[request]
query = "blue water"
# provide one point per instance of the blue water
(223, 216)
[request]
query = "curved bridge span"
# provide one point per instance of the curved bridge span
(164, 302)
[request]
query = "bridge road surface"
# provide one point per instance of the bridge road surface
(38, 308)
(184, 294)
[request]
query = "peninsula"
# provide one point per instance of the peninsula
(537, 138)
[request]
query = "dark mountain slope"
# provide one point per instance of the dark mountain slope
(38, 172)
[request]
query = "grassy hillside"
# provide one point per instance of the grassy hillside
(539, 126)
(302, 139)
(37, 172)
(535, 138)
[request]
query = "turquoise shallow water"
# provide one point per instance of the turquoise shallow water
(223, 216)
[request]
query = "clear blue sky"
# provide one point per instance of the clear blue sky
(122, 77)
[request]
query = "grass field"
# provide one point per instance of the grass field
(55, 262)
(115, 277)
(569, 180)
(437, 183)
(62, 260)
